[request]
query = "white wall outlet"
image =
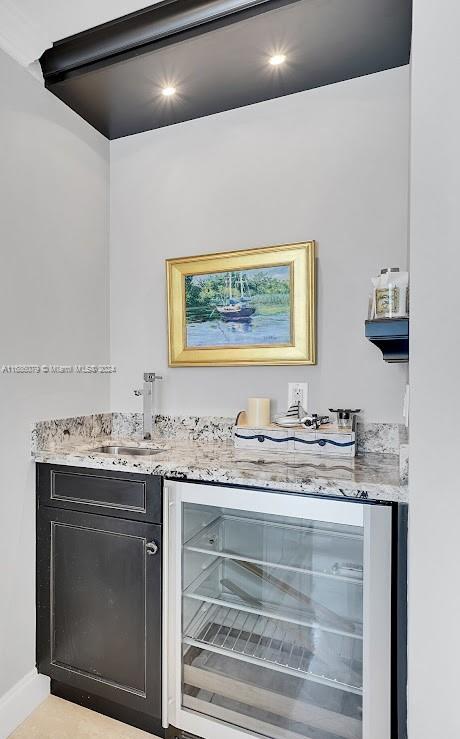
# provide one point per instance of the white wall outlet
(298, 393)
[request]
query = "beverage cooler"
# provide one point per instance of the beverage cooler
(277, 615)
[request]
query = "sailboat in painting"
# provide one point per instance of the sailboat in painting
(237, 309)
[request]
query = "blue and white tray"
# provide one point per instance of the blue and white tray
(328, 440)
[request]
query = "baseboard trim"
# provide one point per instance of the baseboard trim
(21, 700)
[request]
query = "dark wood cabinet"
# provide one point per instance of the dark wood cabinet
(99, 584)
(109, 492)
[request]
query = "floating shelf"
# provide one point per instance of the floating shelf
(391, 335)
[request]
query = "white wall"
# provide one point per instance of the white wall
(53, 309)
(434, 526)
(330, 164)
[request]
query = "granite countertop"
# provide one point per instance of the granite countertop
(367, 476)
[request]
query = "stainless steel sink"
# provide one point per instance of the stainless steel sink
(136, 451)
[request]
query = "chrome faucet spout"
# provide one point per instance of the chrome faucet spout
(148, 402)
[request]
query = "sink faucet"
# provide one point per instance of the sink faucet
(147, 394)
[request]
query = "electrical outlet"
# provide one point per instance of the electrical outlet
(298, 393)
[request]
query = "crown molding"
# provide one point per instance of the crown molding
(136, 33)
(20, 35)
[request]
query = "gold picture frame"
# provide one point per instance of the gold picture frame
(249, 307)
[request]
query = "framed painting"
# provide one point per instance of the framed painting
(255, 306)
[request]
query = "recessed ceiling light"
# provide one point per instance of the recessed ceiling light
(277, 59)
(168, 91)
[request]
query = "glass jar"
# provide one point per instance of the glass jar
(391, 292)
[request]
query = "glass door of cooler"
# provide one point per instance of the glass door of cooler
(273, 609)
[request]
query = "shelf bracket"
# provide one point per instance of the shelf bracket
(391, 336)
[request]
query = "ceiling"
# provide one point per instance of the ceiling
(215, 65)
(220, 66)
(28, 27)
(61, 19)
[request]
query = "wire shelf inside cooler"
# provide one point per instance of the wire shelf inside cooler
(331, 553)
(285, 595)
(330, 660)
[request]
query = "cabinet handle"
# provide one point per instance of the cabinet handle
(151, 548)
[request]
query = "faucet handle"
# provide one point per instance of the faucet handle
(151, 377)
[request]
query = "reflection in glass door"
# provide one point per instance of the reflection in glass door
(272, 621)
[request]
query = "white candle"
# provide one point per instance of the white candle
(258, 412)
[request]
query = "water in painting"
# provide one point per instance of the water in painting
(239, 308)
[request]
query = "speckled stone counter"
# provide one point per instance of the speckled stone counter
(370, 476)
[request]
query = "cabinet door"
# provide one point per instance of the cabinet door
(99, 606)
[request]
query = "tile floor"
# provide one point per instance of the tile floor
(59, 719)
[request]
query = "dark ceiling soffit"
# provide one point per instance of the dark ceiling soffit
(138, 32)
